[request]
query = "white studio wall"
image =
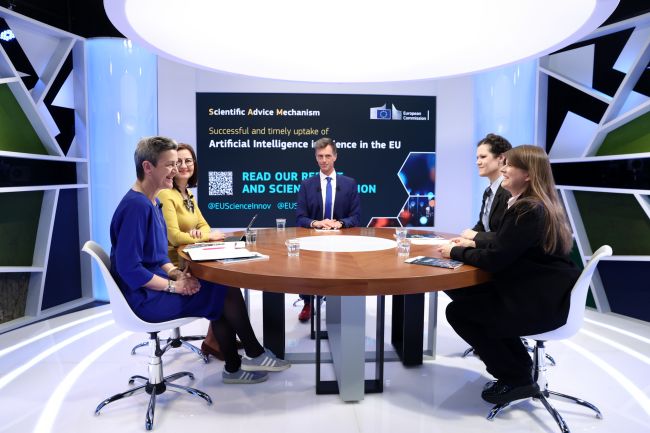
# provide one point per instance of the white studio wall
(504, 104)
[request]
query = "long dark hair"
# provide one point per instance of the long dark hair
(541, 192)
(194, 179)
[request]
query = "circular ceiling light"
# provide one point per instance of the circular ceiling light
(355, 40)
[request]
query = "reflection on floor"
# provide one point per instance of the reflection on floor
(53, 383)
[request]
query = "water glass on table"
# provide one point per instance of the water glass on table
(400, 233)
(403, 248)
(280, 224)
(251, 237)
(293, 247)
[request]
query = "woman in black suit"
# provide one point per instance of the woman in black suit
(532, 277)
(490, 157)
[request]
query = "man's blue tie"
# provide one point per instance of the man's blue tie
(328, 199)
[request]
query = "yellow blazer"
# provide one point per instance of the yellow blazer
(180, 221)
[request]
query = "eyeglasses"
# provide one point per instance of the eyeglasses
(188, 162)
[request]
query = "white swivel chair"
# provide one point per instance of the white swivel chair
(176, 340)
(524, 340)
(156, 383)
(572, 326)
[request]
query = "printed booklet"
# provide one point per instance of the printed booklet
(434, 261)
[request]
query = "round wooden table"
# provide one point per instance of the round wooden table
(346, 278)
(335, 273)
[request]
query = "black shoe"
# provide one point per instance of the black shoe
(489, 385)
(500, 392)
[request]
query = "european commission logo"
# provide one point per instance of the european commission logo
(384, 113)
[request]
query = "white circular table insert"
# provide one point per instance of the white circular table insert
(345, 244)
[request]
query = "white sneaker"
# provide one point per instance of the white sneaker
(267, 361)
(241, 376)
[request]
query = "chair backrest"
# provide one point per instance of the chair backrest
(122, 312)
(578, 300)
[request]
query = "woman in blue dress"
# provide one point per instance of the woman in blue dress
(158, 291)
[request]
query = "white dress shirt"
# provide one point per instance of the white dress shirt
(513, 199)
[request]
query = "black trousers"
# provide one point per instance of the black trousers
(234, 321)
(481, 319)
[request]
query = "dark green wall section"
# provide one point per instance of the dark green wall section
(18, 226)
(575, 257)
(633, 137)
(13, 295)
(616, 220)
(16, 132)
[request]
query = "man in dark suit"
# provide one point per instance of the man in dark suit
(327, 201)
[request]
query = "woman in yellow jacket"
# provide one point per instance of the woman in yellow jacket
(186, 225)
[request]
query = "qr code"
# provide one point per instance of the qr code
(220, 183)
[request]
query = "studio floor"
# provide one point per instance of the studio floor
(54, 373)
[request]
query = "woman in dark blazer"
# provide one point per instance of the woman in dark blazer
(490, 157)
(532, 277)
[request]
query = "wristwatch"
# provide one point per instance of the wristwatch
(171, 286)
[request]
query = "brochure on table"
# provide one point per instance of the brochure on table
(434, 261)
(256, 256)
(218, 251)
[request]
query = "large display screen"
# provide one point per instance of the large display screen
(254, 150)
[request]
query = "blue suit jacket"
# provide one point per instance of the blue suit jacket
(347, 204)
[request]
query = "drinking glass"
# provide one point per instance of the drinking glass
(293, 247)
(400, 233)
(403, 248)
(251, 237)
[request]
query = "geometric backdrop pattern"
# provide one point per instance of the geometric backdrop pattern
(594, 121)
(44, 175)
